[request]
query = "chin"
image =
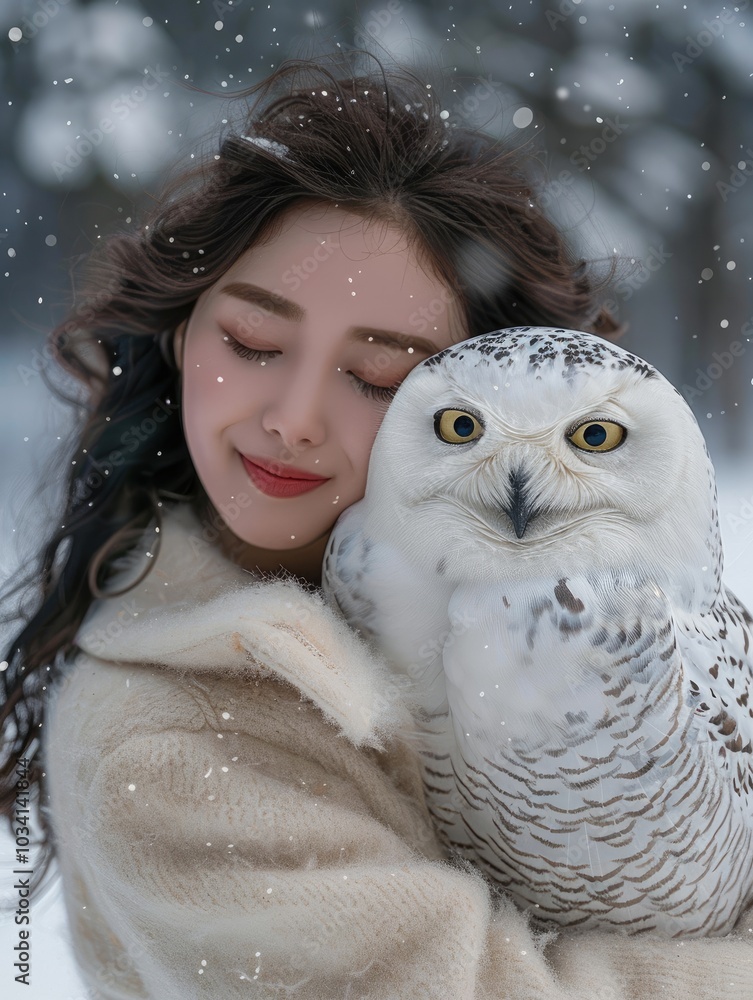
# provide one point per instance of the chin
(274, 541)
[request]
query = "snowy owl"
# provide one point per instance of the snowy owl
(538, 555)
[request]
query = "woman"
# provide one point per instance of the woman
(233, 806)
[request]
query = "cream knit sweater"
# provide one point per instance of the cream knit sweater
(238, 815)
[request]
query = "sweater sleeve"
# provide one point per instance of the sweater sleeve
(219, 838)
(228, 841)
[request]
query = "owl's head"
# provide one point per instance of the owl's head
(532, 450)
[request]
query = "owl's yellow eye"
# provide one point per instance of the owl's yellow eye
(598, 435)
(457, 426)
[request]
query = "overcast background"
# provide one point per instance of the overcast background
(639, 112)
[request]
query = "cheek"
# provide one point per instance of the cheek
(213, 388)
(359, 431)
(208, 406)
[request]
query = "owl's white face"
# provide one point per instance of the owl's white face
(570, 464)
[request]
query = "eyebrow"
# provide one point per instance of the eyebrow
(287, 309)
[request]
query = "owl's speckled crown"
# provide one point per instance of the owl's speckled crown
(541, 344)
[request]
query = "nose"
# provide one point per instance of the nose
(296, 413)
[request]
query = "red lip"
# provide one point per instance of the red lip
(283, 471)
(270, 479)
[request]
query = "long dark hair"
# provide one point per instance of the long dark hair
(377, 143)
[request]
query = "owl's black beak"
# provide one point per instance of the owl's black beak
(520, 507)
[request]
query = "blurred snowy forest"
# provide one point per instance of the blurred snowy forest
(640, 114)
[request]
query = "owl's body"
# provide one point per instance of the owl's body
(578, 673)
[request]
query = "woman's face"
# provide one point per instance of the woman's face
(287, 362)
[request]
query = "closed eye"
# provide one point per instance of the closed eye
(252, 353)
(381, 393)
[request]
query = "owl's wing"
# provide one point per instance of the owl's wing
(347, 569)
(548, 684)
(564, 656)
(582, 650)
(400, 609)
(717, 653)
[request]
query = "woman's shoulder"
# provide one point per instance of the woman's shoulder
(196, 612)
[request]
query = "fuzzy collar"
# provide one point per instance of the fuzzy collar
(197, 611)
